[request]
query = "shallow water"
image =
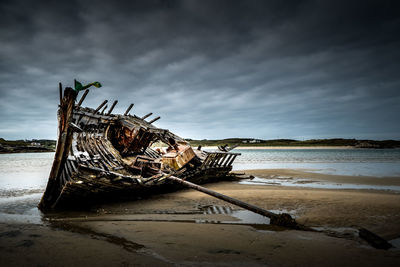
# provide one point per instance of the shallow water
(23, 176)
(299, 182)
(355, 162)
(242, 216)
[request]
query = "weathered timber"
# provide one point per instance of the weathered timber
(112, 107)
(60, 92)
(155, 119)
(103, 156)
(63, 145)
(128, 109)
(102, 112)
(101, 105)
(147, 115)
(83, 98)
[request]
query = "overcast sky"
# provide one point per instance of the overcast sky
(210, 69)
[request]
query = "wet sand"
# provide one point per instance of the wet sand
(174, 229)
(346, 179)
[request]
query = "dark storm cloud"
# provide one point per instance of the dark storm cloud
(211, 69)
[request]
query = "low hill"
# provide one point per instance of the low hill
(24, 146)
(290, 142)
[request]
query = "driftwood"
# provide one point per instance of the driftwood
(373, 239)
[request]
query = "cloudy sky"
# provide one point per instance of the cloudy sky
(210, 69)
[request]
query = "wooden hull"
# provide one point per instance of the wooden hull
(92, 191)
(103, 157)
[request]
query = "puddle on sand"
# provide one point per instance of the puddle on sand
(234, 217)
(242, 216)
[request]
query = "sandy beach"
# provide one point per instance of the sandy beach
(176, 229)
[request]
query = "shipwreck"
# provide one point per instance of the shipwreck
(101, 156)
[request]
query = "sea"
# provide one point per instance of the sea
(354, 162)
(23, 176)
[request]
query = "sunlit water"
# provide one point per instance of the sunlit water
(23, 176)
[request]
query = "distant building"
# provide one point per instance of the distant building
(35, 144)
(251, 141)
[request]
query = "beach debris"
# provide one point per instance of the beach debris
(373, 239)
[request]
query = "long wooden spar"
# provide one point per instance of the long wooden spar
(283, 219)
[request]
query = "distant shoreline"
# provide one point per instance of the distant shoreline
(286, 147)
(215, 147)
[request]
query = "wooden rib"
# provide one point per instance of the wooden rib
(104, 157)
(60, 88)
(207, 160)
(109, 153)
(73, 165)
(215, 162)
(70, 168)
(62, 179)
(83, 98)
(101, 105)
(147, 115)
(227, 159)
(230, 162)
(155, 119)
(112, 107)
(128, 109)
(102, 112)
(66, 170)
(95, 152)
(221, 160)
(108, 156)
